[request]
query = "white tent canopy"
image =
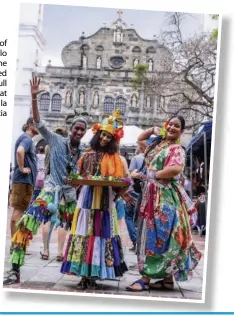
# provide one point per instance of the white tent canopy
(131, 133)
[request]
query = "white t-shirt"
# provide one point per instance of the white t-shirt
(40, 161)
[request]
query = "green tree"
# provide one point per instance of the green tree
(185, 83)
(214, 34)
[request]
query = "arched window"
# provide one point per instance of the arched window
(151, 50)
(56, 103)
(121, 104)
(45, 102)
(99, 48)
(108, 105)
(136, 49)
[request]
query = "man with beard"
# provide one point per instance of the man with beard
(64, 154)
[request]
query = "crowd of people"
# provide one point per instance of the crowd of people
(155, 207)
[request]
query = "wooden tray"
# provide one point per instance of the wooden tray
(98, 183)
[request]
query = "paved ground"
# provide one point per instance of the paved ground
(43, 275)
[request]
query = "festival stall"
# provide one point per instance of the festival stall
(199, 149)
(198, 158)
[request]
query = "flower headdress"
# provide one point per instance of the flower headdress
(164, 129)
(111, 124)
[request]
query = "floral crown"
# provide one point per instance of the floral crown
(111, 124)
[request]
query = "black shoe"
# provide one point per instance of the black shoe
(133, 248)
(11, 277)
(83, 284)
(93, 285)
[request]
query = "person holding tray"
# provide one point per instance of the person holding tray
(165, 248)
(64, 154)
(94, 250)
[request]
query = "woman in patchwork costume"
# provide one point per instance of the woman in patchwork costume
(94, 249)
(165, 248)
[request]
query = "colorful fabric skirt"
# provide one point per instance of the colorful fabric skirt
(94, 247)
(35, 215)
(165, 246)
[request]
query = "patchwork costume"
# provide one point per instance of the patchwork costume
(94, 247)
(165, 246)
(61, 161)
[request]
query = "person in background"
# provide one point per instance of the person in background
(10, 184)
(201, 210)
(24, 176)
(130, 208)
(40, 173)
(187, 183)
(120, 202)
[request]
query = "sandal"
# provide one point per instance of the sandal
(144, 286)
(162, 285)
(59, 258)
(43, 256)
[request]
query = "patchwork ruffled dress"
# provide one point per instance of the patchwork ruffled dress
(94, 246)
(165, 245)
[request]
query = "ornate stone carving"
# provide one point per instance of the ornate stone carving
(81, 98)
(134, 109)
(95, 100)
(99, 62)
(150, 65)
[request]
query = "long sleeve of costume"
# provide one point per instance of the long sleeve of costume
(49, 136)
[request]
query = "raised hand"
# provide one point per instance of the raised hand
(35, 87)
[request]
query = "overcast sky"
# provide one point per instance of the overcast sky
(63, 24)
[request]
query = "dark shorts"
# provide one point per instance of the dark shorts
(21, 196)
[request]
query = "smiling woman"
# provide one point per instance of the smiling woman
(165, 247)
(94, 250)
(104, 142)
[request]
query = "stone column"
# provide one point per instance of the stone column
(141, 98)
